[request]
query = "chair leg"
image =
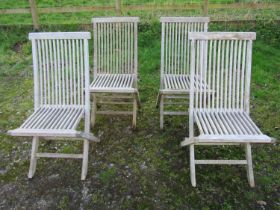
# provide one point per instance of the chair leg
(85, 160)
(138, 100)
(192, 165)
(33, 159)
(134, 111)
(161, 120)
(93, 113)
(158, 100)
(250, 173)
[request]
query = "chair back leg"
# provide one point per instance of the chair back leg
(134, 111)
(161, 107)
(93, 112)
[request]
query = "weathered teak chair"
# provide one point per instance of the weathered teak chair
(220, 109)
(175, 61)
(61, 93)
(115, 64)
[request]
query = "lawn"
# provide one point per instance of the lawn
(180, 9)
(145, 168)
(7, 4)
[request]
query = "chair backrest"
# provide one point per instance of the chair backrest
(221, 70)
(61, 68)
(175, 46)
(115, 45)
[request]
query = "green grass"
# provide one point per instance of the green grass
(142, 169)
(8, 4)
(85, 17)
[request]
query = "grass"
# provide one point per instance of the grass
(8, 4)
(85, 17)
(141, 169)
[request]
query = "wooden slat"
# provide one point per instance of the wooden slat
(222, 36)
(235, 138)
(184, 19)
(60, 35)
(115, 112)
(175, 113)
(221, 162)
(58, 155)
(113, 82)
(115, 19)
(43, 132)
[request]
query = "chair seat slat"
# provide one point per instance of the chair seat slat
(53, 118)
(221, 122)
(112, 82)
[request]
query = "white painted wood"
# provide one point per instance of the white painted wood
(61, 92)
(220, 107)
(175, 58)
(115, 61)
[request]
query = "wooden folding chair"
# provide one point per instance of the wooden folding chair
(115, 65)
(220, 108)
(175, 62)
(61, 93)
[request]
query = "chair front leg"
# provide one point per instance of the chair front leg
(33, 159)
(192, 165)
(85, 160)
(250, 172)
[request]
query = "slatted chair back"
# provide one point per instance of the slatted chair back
(115, 45)
(175, 46)
(61, 68)
(225, 69)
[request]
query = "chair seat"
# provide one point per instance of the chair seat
(227, 126)
(51, 121)
(113, 83)
(179, 84)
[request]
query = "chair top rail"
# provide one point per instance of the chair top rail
(222, 35)
(115, 19)
(184, 19)
(59, 35)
